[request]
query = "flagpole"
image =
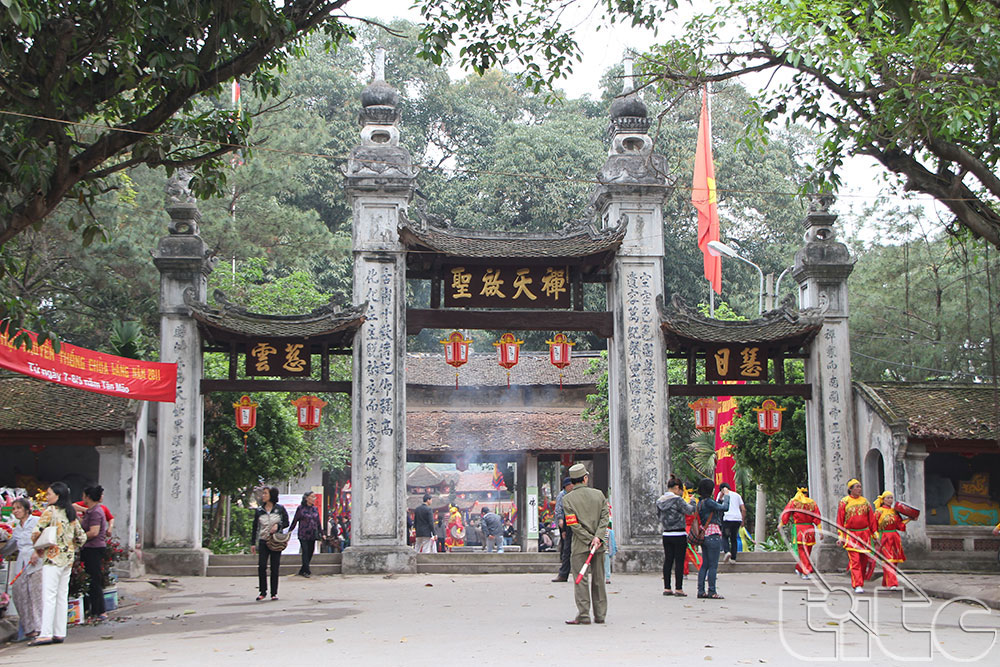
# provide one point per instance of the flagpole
(711, 300)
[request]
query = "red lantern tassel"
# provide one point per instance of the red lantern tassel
(244, 442)
(560, 381)
(456, 380)
(508, 379)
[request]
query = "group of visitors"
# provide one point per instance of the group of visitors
(46, 547)
(704, 528)
(271, 530)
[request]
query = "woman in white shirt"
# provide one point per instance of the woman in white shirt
(27, 588)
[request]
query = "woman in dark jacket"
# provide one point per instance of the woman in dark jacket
(307, 519)
(270, 517)
(710, 513)
(672, 509)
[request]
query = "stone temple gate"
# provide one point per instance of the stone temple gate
(620, 245)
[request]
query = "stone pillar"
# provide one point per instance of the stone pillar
(184, 261)
(530, 512)
(821, 268)
(380, 183)
(631, 192)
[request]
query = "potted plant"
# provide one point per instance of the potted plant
(79, 582)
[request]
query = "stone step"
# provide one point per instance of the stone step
(483, 557)
(285, 569)
(251, 559)
(765, 557)
(741, 567)
(498, 567)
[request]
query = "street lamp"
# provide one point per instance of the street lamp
(723, 249)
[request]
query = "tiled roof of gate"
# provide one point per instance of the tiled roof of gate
(482, 370)
(573, 241)
(483, 431)
(940, 410)
(29, 404)
(330, 321)
(423, 476)
(785, 325)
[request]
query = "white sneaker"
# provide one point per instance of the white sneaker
(725, 559)
(858, 589)
(807, 577)
(894, 588)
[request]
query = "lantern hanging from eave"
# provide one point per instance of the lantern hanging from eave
(309, 409)
(508, 351)
(560, 351)
(246, 417)
(456, 351)
(705, 410)
(769, 417)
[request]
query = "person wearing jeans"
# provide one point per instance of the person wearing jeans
(710, 513)
(307, 519)
(672, 510)
(269, 518)
(492, 531)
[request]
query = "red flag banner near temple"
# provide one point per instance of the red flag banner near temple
(725, 465)
(92, 371)
(703, 196)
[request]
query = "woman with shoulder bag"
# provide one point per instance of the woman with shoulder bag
(710, 513)
(269, 518)
(672, 510)
(27, 585)
(307, 519)
(56, 538)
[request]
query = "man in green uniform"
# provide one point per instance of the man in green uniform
(586, 511)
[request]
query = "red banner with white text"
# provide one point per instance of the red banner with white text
(93, 371)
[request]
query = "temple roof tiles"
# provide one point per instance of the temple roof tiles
(485, 432)
(29, 404)
(785, 326)
(574, 240)
(482, 370)
(940, 411)
(226, 321)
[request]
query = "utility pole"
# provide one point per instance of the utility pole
(760, 515)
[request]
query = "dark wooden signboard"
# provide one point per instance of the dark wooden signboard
(282, 358)
(529, 286)
(738, 361)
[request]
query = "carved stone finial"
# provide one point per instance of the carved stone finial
(819, 221)
(180, 205)
(378, 67)
(627, 85)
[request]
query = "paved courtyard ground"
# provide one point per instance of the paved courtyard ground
(518, 619)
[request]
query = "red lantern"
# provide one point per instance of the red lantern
(246, 417)
(508, 351)
(456, 351)
(769, 417)
(308, 409)
(704, 413)
(560, 351)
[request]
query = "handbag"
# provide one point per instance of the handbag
(277, 541)
(47, 539)
(696, 535)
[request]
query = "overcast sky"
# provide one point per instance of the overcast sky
(604, 45)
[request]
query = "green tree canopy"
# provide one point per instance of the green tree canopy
(911, 83)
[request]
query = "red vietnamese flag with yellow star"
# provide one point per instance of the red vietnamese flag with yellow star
(704, 198)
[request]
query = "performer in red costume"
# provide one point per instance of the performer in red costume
(803, 512)
(856, 526)
(890, 544)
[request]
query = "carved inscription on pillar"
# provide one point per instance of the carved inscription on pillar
(378, 435)
(834, 397)
(641, 382)
(176, 463)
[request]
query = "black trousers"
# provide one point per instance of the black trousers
(93, 558)
(307, 547)
(566, 539)
(674, 552)
(730, 532)
(263, 555)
